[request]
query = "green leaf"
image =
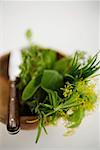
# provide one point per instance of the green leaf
(43, 126)
(29, 34)
(39, 131)
(49, 58)
(62, 65)
(43, 122)
(51, 79)
(30, 89)
(46, 105)
(53, 97)
(76, 117)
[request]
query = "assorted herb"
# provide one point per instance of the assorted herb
(53, 87)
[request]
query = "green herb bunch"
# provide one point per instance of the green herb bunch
(52, 87)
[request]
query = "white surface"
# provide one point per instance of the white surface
(63, 25)
(99, 24)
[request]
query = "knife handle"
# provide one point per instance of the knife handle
(13, 123)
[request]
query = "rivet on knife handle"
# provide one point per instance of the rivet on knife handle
(13, 122)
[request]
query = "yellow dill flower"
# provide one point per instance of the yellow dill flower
(88, 105)
(67, 90)
(87, 89)
(87, 95)
(90, 89)
(81, 86)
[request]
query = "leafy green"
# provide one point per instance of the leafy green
(30, 89)
(51, 79)
(76, 118)
(62, 65)
(49, 58)
(35, 60)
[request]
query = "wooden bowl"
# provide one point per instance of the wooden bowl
(4, 95)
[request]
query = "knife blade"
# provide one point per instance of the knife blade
(13, 121)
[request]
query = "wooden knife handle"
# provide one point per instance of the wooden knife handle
(13, 122)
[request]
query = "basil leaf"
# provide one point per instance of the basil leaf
(51, 79)
(49, 58)
(62, 65)
(31, 88)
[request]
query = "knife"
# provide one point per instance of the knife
(13, 121)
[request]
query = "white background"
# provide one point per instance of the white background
(66, 26)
